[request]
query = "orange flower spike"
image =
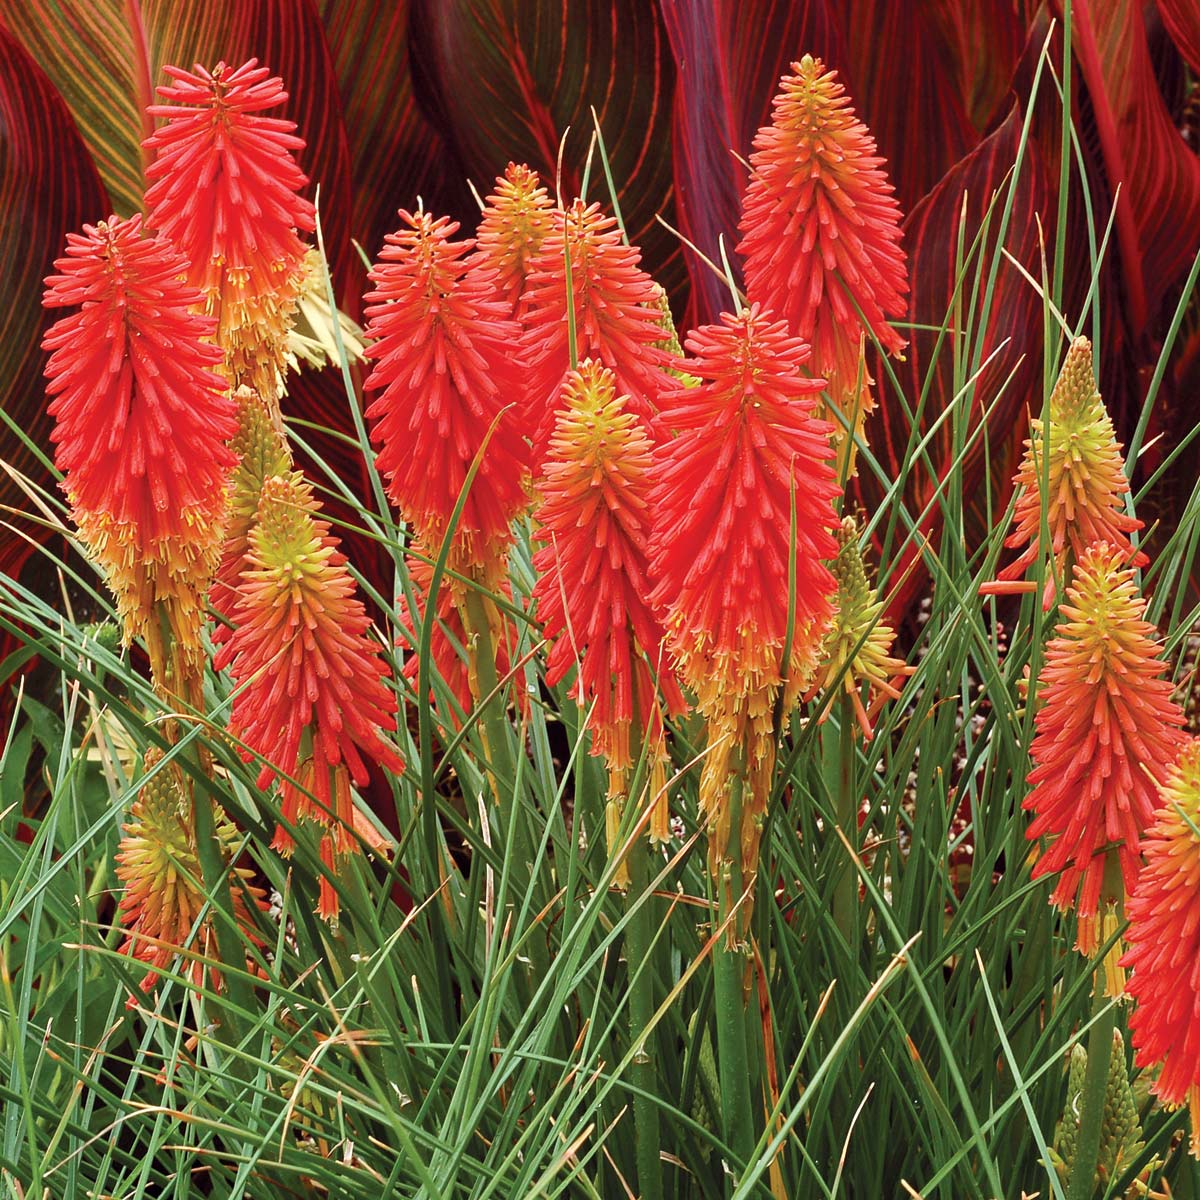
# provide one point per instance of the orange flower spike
(618, 321)
(312, 699)
(445, 367)
(746, 443)
(1164, 942)
(858, 644)
(141, 423)
(821, 234)
(593, 584)
(1086, 475)
(1107, 731)
(516, 219)
(225, 187)
(158, 862)
(746, 438)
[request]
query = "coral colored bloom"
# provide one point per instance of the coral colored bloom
(261, 453)
(159, 864)
(311, 694)
(746, 445)
(1164, 942)
(1107, 731)
(140, 426)
(1085, 474)
(224, 188)
(618, 321)
(857, 648)
(516, 219)
(593, 583)
(445, 368)
(821, 232)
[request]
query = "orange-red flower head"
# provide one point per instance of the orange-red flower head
(821, 232)
(159, 864)
(746, 445)
(617, 319)
(516, 219)
(225, 187)
(1164, 942)
(1080, 462)
(593, 588)
(140, 426)
(1107, 731)
(312, 700)
(746, 442)
(445, 368)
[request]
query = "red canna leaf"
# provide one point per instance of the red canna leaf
(1158, 215)
(396, 155)
(729, 57)
(1182, 19)
(48, 186)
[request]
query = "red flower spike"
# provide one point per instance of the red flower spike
(1107, 731)
(312, 699)
(159, 864)
(1082, 464)
(516, 219)
(140, 426)
(445, 367)
(593, 585)
(746, 443)
(821, 232)
(1164, 942)
(224, 187)
(618, 321)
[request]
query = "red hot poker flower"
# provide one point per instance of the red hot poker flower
(821, 231)
(746, 444)
(141, 423)
(1164, 942)
(159, 864)
(516, 219)
(1107, 731)
(618, 321)
(593, 584)
(1081, 463)
(312, 699)
(225, 189)
(445, 367)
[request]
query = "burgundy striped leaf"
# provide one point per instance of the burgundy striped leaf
(395, 153)
(106, 57)
(902, 70)
(48, 186)
(933, 232)
(729, 56)
(504, 79)
(1182, 19)
(1143, 153)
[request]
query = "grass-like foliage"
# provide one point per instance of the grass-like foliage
(521, 995)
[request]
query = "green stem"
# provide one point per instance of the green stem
(215, 872)
(1099, 1052)
(1095, 1081)
(845, 890)
(643, 1073)
(733, 1060)
(496, 731)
